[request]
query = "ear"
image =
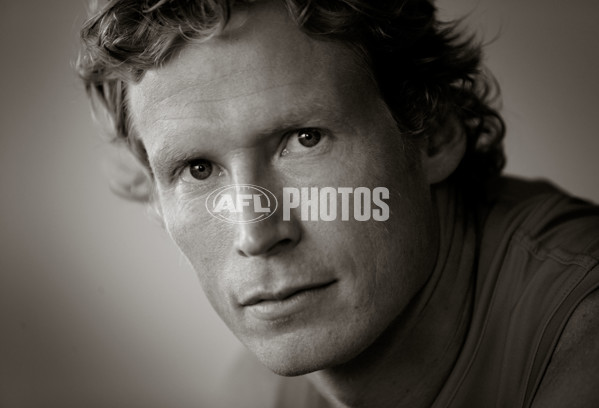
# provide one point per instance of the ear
(443, 151)
(154, 211)
(130, 179)
(127, 176)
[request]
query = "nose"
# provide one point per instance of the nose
(272, 234)
(267, 237)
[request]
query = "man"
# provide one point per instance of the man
(471, 290)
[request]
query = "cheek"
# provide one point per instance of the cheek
(203, 240)
(386, 261)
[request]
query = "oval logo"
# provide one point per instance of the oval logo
(241, 203)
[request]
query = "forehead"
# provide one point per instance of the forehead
(262, 67)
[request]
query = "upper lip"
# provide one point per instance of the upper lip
(280, 294)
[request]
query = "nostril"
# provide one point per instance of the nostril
(267, 238)
(279, 246)
(284, 242)
(242, 253)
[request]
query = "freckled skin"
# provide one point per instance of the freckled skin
(221, 100)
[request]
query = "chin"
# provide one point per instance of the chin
(290, 370)
(295, 366)
(292, 356)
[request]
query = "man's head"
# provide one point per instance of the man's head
(362, 101)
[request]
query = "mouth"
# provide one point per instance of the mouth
(282, 294)
(282, 303)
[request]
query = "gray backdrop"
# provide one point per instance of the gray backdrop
(97, 307)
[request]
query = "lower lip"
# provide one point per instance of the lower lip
(272, 310)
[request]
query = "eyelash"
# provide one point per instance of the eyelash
(184, 170)
(322, 134)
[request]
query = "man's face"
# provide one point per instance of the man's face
(267, 105)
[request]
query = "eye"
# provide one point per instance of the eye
(300, 140)
(309, 137)
(200, 169)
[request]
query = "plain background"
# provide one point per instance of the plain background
(97, 307)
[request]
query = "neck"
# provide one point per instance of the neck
(408, 365)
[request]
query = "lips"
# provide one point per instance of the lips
(282, 294)
(278, 307)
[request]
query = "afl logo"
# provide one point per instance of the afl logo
(241, 203)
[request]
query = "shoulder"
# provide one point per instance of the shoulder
(544, 248)
(572, 377)
(544, 217)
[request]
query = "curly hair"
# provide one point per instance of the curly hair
(428, 72)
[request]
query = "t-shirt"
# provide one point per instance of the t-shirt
(536, 258)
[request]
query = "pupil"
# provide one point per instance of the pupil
(200, 169)
(309, 137)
